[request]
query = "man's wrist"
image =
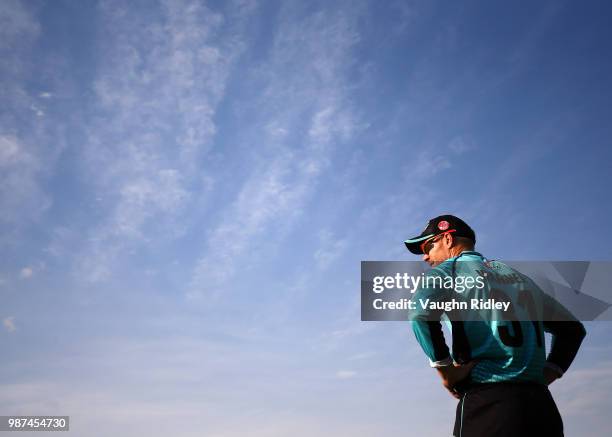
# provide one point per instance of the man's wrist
(555, 368)
(448, 361)
(448, 374)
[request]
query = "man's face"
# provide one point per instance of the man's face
(437, 249)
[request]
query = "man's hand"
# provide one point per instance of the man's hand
(550, 375)
(452, 375)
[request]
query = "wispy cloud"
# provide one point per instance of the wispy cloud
(256, 152)
(361, 356)
(345, 374)
(29, 143)
(22, 195)
(460, 145)
(19, 28)
(329, 250)
(26, 272)
(9, 324)
(305, 90)
(160, 81)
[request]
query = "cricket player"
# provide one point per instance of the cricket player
(498, 368)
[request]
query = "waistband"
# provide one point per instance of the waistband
(470, 387)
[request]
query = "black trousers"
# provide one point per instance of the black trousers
(507, 410)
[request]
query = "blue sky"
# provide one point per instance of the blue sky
(187, 190)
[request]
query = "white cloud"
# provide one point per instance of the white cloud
(329, 122)
(267, 195)
(349, 328)
(39, 112)
(26, 272)
(18, 26)
(405, 15)
(428, 164)
(10, 151)
(459, 145)
(361, 356)
(274, 130)
(22, 196)
(25, 140)
(431, 160)
(345, 374)
(160, 81)
(305, 92)
(9, 324)
(329, 250)
(140, 199)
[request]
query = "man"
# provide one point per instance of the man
(498, 366)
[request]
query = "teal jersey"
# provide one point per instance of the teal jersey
(508, 346)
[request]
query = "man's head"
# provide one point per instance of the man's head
(444, 237)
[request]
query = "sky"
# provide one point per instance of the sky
(187, 189)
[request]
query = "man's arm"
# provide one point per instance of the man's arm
(453, 374)
(431, 338)
(567, 335)
(428, 332)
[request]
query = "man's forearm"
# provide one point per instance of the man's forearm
(455, 373)
(567, 338)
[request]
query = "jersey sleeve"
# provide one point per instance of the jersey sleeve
(567, 335)
(427, 327)
(567, 332)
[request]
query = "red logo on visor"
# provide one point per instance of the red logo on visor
(443, 225)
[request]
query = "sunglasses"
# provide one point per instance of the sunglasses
(428, 244)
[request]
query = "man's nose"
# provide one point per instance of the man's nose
(425, 257)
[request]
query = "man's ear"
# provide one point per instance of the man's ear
(449, 241)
